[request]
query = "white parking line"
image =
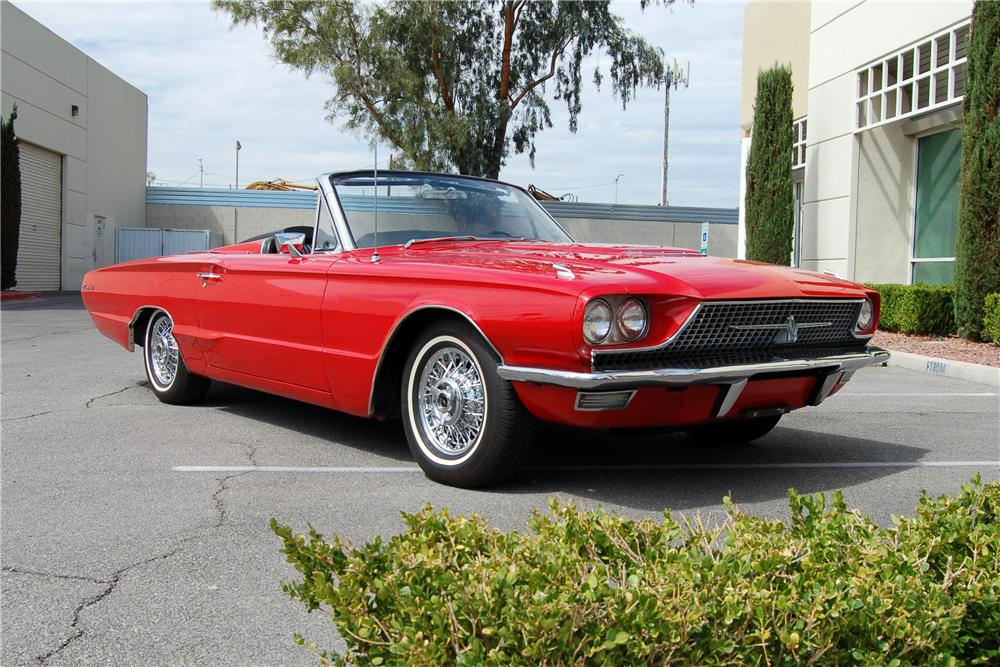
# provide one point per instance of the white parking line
(851, 393)
(779, 465)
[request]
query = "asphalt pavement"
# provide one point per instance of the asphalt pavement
(135, 532)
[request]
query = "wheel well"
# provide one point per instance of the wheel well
(385, 392)
(137, 329)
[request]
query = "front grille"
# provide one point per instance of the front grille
(731, 331)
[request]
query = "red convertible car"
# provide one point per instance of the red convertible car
(461, 306)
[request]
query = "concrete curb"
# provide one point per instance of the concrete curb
(18, 296)
(961, 370)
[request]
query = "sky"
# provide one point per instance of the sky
(210, 85)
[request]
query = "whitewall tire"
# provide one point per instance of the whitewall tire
(464, 424)
(166, 371)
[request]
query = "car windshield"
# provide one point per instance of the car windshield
(413, 206)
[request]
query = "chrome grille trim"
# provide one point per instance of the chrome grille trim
(744, 326)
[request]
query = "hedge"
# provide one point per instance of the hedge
(991, 321)
(587, 587)
(977, 254)
(769, 205)
(917, 309)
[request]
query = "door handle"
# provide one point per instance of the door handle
(208, 275)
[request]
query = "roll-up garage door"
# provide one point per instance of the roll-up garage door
(40, 247)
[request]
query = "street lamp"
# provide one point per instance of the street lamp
(238, 147)
(617, 178)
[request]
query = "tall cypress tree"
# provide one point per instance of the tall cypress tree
(977, 259)
(769, 205)
(10, 201)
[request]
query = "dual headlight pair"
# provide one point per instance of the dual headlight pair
(608, 321)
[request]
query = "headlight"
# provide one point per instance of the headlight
(866, 317)
(631, 319)
(597, 321)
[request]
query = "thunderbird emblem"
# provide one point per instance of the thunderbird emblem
(789, 333)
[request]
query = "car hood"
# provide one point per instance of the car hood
(634, 269)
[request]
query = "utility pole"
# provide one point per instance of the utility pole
(617, 178)
(236, 210)
(201, 174)
(675, 77)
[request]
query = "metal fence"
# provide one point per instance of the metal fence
(139, 243)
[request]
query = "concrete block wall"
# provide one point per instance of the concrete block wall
(228, 224)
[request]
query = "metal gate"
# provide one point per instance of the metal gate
(40, 248)
(140, 242)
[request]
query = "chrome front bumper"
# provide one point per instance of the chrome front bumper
(830, 369)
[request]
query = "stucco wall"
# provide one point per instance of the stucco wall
(103, 147)
(775, 33)
(857, 185)
(221, 222)
(884, 210)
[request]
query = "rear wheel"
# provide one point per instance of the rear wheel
(166, 371)
(734, 432)
(464, 424)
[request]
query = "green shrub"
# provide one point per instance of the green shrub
(769, 203)
(917, 309)
(10, 201)
(587, 587)
(991, 321)
(977, 256)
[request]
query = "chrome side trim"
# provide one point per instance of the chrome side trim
(399, 323)
(850, 362)
(135, 317)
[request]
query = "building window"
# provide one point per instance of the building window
(922, 77)
(935, 224)
(799, 143)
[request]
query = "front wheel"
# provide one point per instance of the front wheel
(733, 432)
(166, 371)
(464, 424)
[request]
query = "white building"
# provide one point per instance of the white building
(83, 153)
(878, 122)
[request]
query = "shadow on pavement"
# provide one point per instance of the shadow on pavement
(601, 454)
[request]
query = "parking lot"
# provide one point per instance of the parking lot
(133, 532)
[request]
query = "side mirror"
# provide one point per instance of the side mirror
(290, 243)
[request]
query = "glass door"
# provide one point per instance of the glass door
(935, 225)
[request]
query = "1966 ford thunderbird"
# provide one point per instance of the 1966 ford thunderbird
(461, 306)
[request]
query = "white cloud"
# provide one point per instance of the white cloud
(209, 85)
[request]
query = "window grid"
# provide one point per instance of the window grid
(799, 143)
(922, 77)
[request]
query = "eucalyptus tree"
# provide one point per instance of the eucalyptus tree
(455, 85)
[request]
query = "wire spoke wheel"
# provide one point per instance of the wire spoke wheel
(451, 401)
(163, 355)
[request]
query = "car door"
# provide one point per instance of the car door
(260, 316)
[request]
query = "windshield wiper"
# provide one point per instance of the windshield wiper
(468, 238)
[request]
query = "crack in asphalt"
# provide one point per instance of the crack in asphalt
(53, 575)
(110, 586)
(44, 335)
(119, 391)
(116, 577)
(34, 414)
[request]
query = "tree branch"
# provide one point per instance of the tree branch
(539, 81)
(449, 103)
(509, 23)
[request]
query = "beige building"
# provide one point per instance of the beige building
(83, 153)
(878, 122)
